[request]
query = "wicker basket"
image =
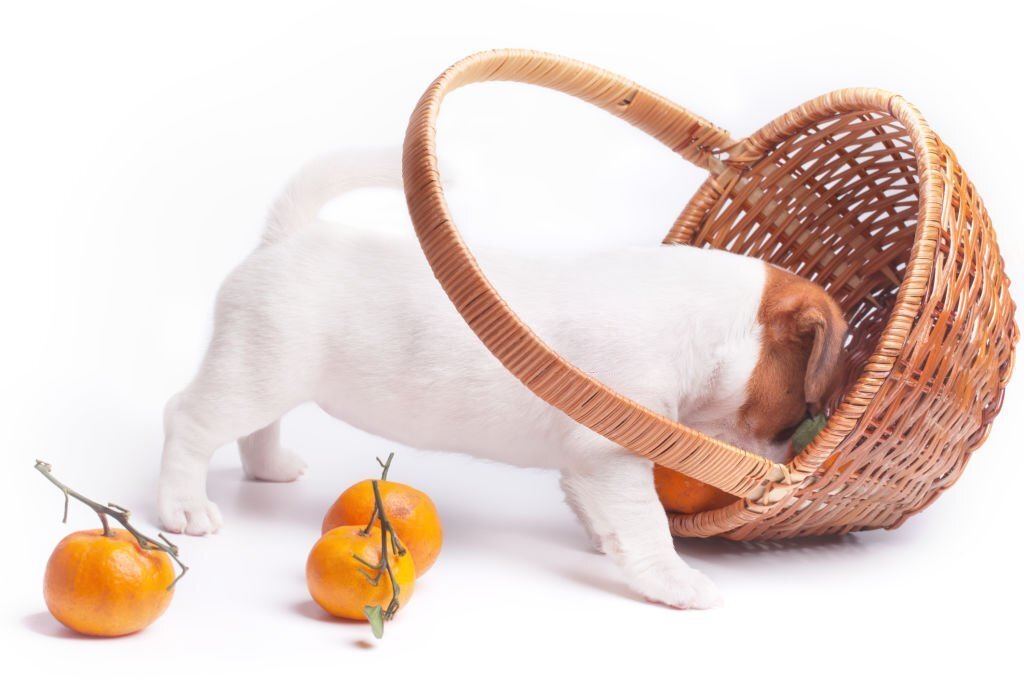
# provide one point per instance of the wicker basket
(852, 190)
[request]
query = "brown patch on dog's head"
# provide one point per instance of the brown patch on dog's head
(801, 356)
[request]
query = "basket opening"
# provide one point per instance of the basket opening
(837, 203)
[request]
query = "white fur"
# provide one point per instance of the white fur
(356, 322)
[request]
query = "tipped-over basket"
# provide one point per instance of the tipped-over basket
(852, 190)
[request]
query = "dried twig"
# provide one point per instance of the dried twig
(118, 513)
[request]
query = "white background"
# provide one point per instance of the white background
(141, 144)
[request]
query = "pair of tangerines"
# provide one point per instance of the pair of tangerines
(378, 537)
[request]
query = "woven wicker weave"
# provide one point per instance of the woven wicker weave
(852, 190)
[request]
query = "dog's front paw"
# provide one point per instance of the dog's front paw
(195, 516)
(676, 585)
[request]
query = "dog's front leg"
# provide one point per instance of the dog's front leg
(182, 502)
(614, 493)
(598, 532)
(228, 400)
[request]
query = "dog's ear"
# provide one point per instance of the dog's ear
(800, 311)
(821, 319)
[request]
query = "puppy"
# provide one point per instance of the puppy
(355, 321)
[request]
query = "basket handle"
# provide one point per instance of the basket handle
(539, 367)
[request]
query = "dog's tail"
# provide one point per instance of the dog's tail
(327, 177)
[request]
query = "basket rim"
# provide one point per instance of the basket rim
(878, 368)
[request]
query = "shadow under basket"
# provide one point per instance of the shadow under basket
(851, 190)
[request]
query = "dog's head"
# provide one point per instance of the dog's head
(798, 365)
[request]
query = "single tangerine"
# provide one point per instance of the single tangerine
(680, 493)
(411, 513)
(106, 584)
(336, 579)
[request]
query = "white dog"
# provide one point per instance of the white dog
(356, 322)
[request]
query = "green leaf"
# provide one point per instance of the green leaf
(376, 617)
(807, 430)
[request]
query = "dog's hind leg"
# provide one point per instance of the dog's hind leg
(264, 458)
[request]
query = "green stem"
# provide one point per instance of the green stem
(386, 466)
(106, 524)
(383, 477)
(387, 537)
(369, 525)
(118, 513)
(387, 530)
